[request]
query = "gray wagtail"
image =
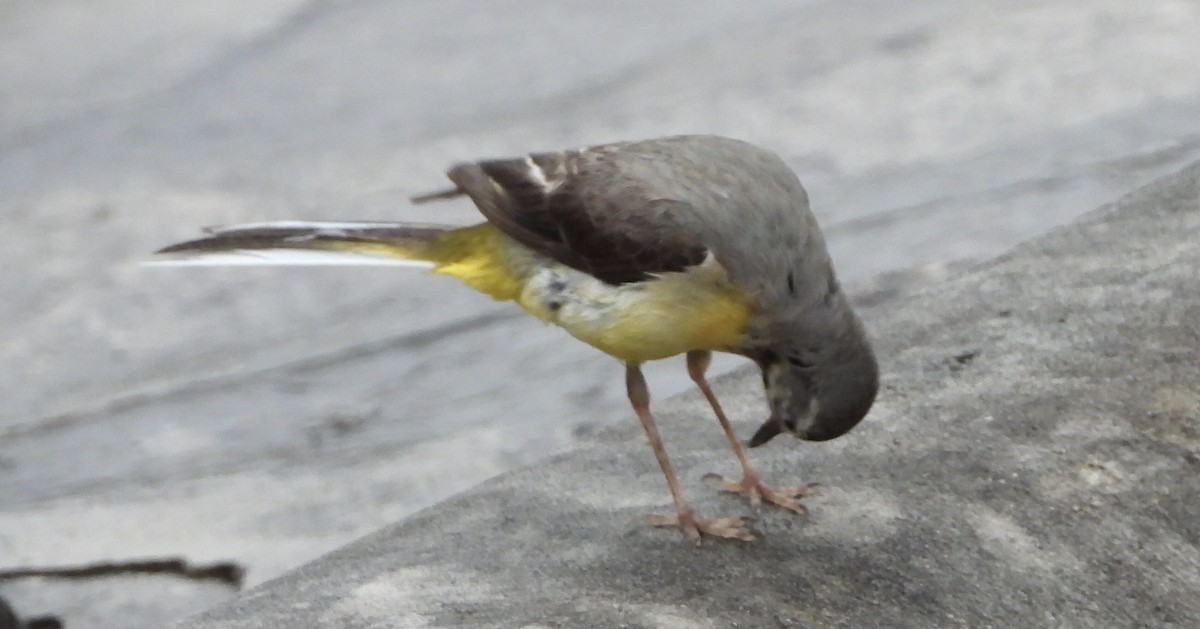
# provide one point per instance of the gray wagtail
(643, 250)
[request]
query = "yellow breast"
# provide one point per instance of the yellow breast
(647, 320)
(661, 317)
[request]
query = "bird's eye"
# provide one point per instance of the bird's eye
(799, 361)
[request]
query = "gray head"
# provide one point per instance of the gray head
(820, 383)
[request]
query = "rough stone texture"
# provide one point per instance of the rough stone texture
(1031, 462)
(266, 417)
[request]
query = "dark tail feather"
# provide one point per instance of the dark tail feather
(448, 193)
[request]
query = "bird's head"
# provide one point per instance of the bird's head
(818, 390)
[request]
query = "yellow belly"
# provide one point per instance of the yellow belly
(656, 329)
(647, 320)
(657, 318)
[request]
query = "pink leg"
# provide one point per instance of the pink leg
(685, 518)
(751, 483)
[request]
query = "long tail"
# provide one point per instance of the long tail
(476, 255)
(311, 243)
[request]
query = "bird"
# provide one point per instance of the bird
(645, 250)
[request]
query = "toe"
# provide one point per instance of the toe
(788, 497)
(724, 484)
(787, 503)
(664, 520)
(757, 492)
(803, 491)
(728, 528)
(695, 528)
(688, 524)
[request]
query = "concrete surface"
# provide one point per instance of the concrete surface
(1031, 462)
(263, 418)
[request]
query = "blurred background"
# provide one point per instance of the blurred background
(252, 419)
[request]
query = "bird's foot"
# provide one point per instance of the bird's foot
(758, 492)
(695, 527)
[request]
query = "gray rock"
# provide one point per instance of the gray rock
(1030, 462)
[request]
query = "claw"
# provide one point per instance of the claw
(695, 528)
(758, 492)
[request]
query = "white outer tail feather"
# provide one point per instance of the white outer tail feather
(286, 256)
(283, 257)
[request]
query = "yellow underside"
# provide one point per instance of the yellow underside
(658, 318)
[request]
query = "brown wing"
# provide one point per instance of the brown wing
(581, 209)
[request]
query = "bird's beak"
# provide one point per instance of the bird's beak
(792, 405)
(800, 425)
(768, 431)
